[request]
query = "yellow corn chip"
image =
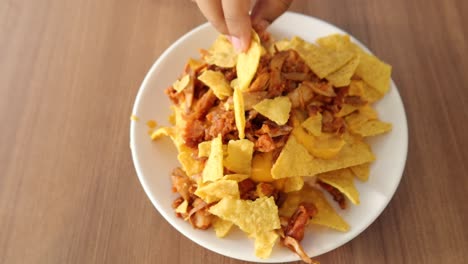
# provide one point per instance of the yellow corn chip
(190, 165)
(326, 215)
(221, 227)
(214, 165)
(325, 146)
(371, 128)
(217, 82)
(294, 160)
(313, 124)
(239, 112)
(356, 119)
(239, 158)
(261, 167)
(361, 171)
(293, 184)
(180, 85)
(204, 149)
(252, 217)
(236, 177)
(370, 94)
(346, 109)
(342, 77)
(336, 42)
(264, 243)
(281, 45)
(321, 61)
(222, 53)
(194, 64)
(372, 70)
(161, 132)
(368, 112)
(343, 180)
(182, 208)
(247, 63)
(276, 109)
(217, 190)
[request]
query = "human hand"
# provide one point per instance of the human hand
(232, 18)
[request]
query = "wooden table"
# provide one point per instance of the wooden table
(69, 73)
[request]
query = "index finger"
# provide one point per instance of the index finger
(236, 15)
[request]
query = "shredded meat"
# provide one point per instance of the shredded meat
(194, 132)
(204, 104)
(247, 190)
(301, 96)
(337, 195)
(266, 189)
(294, 245)
(264, 143)
(298, 221)
(220, 121)
(199, 216)
(260, 83)
(332, 124)
(181, 183)
(277, 85)
(253, 98)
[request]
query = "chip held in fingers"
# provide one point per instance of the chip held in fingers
(263, 135)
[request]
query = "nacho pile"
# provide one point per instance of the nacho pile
(266, 135)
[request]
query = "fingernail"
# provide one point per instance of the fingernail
(236, 43)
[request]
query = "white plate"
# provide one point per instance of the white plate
(155, 161)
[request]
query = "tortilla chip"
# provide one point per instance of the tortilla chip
(261, 167)
(221, 53)
(217, 190)
(368, 112)
(236, 177)
(252, 217)
(346, 109)
(239, 112)
(371, 128)
(292, 184)
(180, 85)
(326, 215)
(325, 146)
(342, 77)
(343, 180)
(335, 42)
(321, 61)
(295, 160)
(370, 94)
(277, 109)
(247, 63)
(190, 165)
(239, 158)
(264, 243)
(214, 165)
(217, 82)
(361, 171)
(161, 132)
(182, 208)
(313, 124)
(281, 45)
(221, 227)
(204, 149)
(372, 70)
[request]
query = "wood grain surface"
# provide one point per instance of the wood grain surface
(69, 73)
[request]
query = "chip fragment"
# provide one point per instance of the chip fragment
(180, 85)
(221, 53)
(326, 215)
(214, 165)
(343, 181)
(247, 63)
(217, 190)
(239, 158)
(252, 217)
(277, 109)
(217, 82)
(361, 171)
